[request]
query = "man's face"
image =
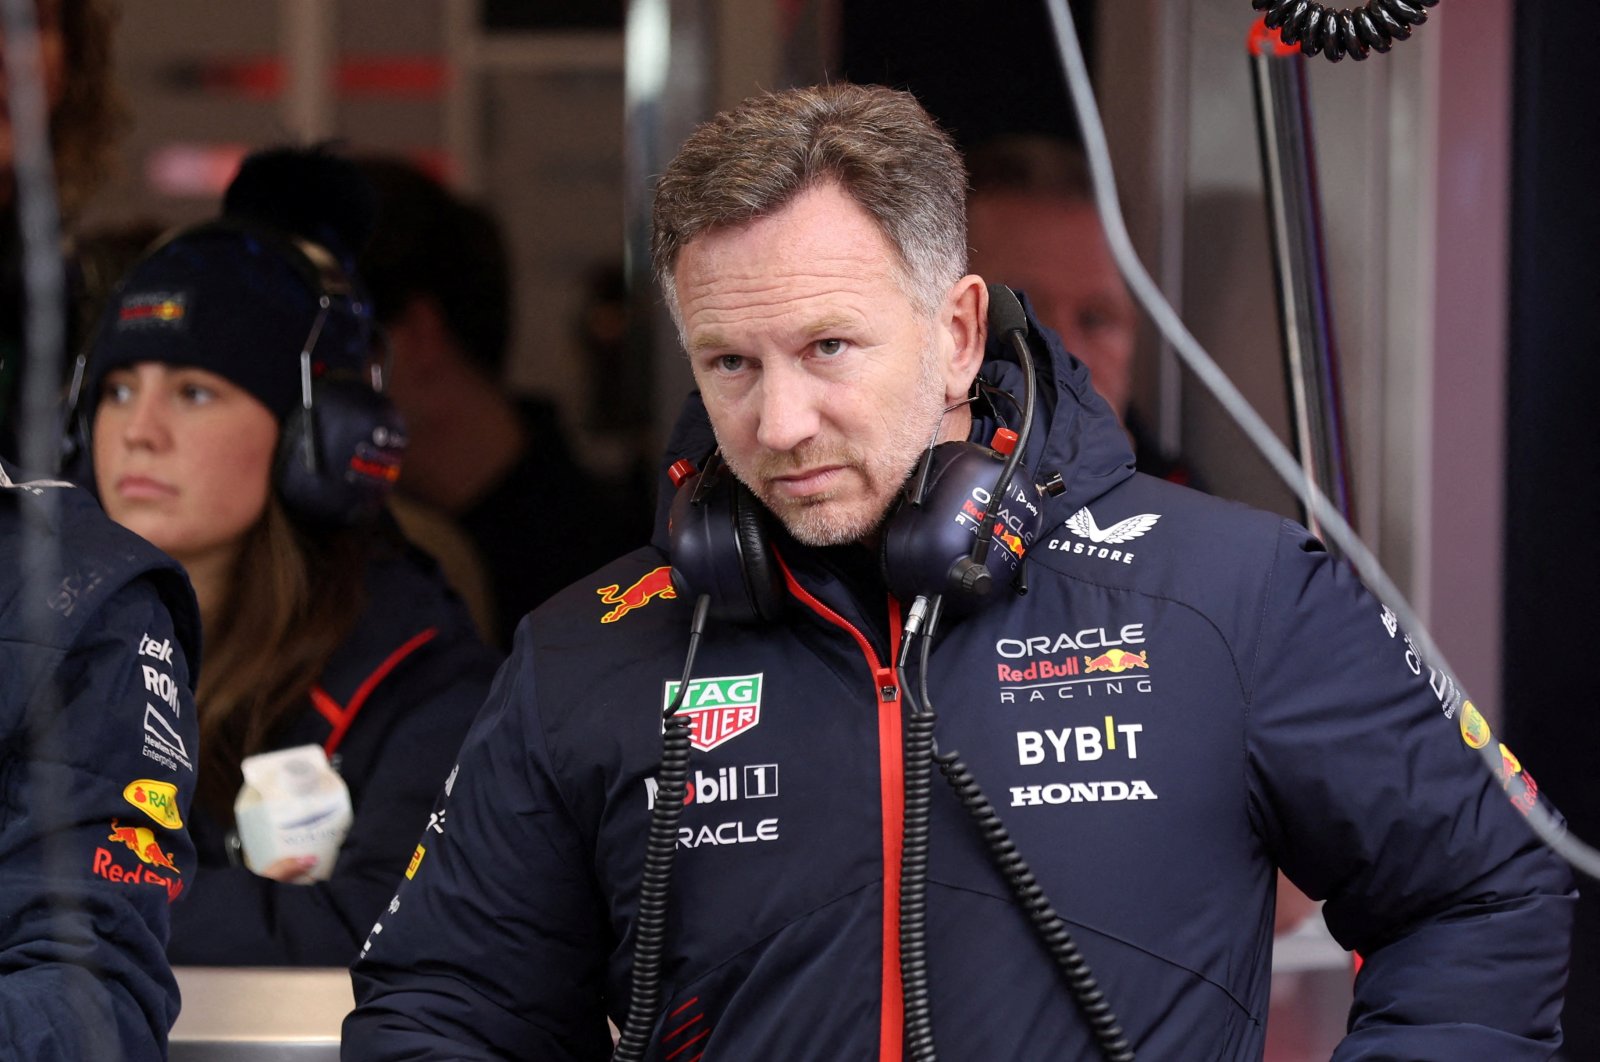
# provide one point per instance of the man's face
(823, 381)
(1056, 252)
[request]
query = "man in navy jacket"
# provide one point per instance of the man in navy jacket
(1188, 695)
(98, 636)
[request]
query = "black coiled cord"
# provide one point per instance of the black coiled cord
(1316, 28)
(661, 847)
(650, 933)
(915, 833)
(914, 887)
(1051, 929)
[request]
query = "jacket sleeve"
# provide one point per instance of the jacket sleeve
(96, 784)
(1370, 791)
(495, 945)
(236, 916)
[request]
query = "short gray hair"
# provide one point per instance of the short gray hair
(877, 144)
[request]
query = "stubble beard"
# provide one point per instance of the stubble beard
(873, 480)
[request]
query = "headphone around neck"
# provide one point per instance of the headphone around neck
(932, 544)
(340, 448)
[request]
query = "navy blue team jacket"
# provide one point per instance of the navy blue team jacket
(1190, 695)
(99, 641)
(390, 710)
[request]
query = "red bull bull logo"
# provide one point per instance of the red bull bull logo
(152, 308)
(1518, 783)
(142, 843)
(654, 584)
(1116, 661)
(1007, 539)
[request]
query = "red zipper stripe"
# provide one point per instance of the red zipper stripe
(891, 798)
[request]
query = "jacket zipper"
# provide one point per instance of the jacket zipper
(891, 799)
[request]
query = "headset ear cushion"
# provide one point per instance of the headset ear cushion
(927, 546)
(762, 574)
(339, 460)
(77, 451)
(719, 548)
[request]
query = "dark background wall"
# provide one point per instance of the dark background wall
(981, 69)
(1552, 563)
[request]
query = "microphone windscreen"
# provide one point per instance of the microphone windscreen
(1005, 311)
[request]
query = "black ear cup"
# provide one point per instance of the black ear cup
(927, 544)
(339, 459)
(719, 545)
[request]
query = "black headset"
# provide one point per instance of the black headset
(931, 545)
(340, 449)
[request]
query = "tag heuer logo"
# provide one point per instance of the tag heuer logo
(718, 709)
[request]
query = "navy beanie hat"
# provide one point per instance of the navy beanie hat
(239, 296)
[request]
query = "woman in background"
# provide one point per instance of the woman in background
(319, 625)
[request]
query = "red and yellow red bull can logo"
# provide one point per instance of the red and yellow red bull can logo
(1116, 661)
(654, 584)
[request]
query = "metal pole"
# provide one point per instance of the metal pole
(1299, 262)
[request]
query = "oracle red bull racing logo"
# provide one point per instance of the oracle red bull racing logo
(654, 584)
(718, 709)
(141, 841)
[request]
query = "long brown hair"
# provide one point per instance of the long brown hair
(294, 597)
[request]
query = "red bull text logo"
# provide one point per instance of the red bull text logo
(1116, 661)
(654, 584)
(1039, 669)
(142, 843)
(718, 709)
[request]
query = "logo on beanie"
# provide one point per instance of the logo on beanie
(153, 309)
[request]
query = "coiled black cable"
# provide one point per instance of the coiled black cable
(650, 930)
(1051, 929)
(916, 827)
(1317, 28)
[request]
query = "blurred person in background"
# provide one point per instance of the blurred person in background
(500, 465)
(85, 114)
(99, 641)
(1032, 224)
(321, 626)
